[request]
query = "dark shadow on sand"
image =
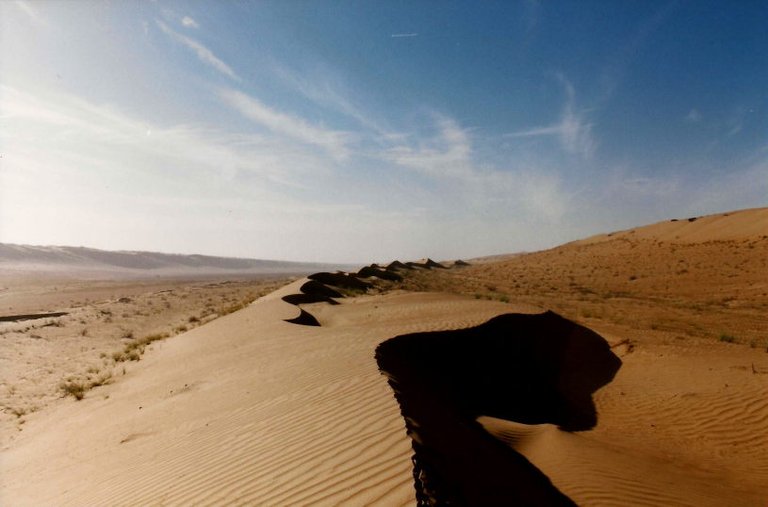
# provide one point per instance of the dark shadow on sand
(304, 319)
(379, 273)
(526, 368)
(31, 316)
(318, 289)
(342, 280)
(305, 299)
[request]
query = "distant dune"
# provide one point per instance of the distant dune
(733, 225)
(84, 261)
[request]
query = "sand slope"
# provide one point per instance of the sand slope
(734, 225)
(247, 409)
(250, 409)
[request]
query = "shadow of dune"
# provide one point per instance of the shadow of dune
(319, 289)
(305, 299)
(343, 280)
(392, 266)
(433, 264)
(31, 316)
(417, 265)
(379, 273)
(526, 368)
(311, 292)
(304, 319)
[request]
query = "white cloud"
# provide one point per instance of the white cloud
(446, 155)
(693, 116)
(322, 88)
(204, 54)
(189, 22)
(335, 142)
(573, 131)
(517, 192)
(31, 12)
(71, 134)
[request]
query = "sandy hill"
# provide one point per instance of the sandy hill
(27, 258)
(732, 226)
(252, 408)
(702, 278)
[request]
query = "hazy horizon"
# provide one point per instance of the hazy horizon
(352, 131)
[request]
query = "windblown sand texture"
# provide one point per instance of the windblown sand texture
(250, 409)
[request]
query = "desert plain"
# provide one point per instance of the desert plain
(179, 390)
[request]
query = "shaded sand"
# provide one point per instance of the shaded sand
(527, 368)
(247, 409)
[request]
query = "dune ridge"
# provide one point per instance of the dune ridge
(251, 409)
(82, 261)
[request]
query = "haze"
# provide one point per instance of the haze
(358, 131)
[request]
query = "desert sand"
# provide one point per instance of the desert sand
(250, 409)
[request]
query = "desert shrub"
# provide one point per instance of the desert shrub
(727, 338)
(73, 388)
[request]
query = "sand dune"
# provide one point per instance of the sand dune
(734, 225)
(369, 271)
(251, 408)
(82, 261)
(395, 265)
(246, 409)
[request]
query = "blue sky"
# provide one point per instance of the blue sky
(361, 131)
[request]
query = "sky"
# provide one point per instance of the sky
(360, 131)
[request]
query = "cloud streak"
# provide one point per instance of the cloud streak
(189, 22)
(293, 127)
(573, 131)
(203, 54)
(445, 155)
(33, 15)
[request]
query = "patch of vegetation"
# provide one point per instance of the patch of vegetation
(74, 388)
(133, 350)
(19, 411)
(77, 387)
(727, 338)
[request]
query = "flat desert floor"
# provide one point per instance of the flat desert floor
(249, 409)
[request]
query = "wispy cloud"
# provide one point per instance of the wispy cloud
(574, 132)
(294, 127)
(189, 22)
(693, 116)
(204, 54)
(400, 35)
(445, 155)
(479, 189)
(326, 89)
(81, 136)
(31, 12)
